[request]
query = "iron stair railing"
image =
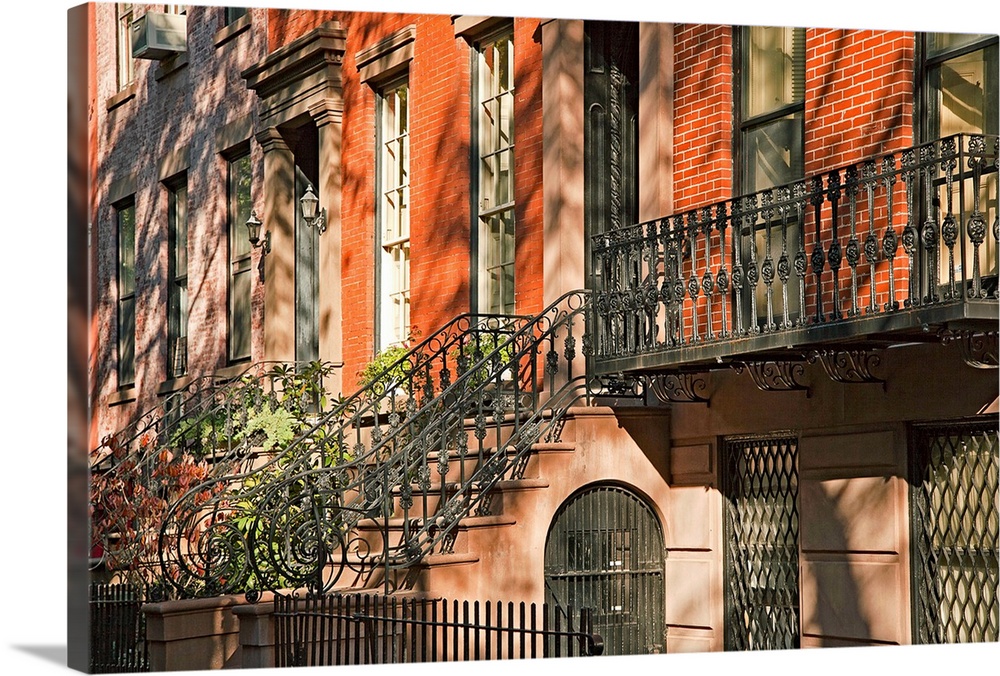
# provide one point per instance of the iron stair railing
(294, 522)
(204, 540)
(197, 432)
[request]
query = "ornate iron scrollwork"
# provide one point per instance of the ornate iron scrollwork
(679, 388)
(774, 376)
(979, 348)
(849, 366)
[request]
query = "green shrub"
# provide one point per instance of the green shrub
(376, 375)
(477, 350)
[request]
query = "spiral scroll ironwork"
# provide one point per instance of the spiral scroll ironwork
(680, 387)
(774, 376)
(979, 348)
(849, 366)
(384, 478)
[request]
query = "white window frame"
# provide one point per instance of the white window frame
(393, 189)
(123, 44)
(493, 136)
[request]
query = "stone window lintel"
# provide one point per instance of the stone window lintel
(227, 33)
(471, 28)
(126, 94)
(387, 57)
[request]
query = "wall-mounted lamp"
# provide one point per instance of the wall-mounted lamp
(310, 203)
(253, 229)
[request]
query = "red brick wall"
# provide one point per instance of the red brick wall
(528, 169)
(168, 112)
(440, 178)
(285, 25)
(858, 104)
(703, 113)
(859, 95)
(160, 118)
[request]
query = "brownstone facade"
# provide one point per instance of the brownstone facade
(243, 88)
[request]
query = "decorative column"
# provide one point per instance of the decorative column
(564, 239)
(328, 115)
(656, 113)
(300, 83)
(563, 156)
(279, 265)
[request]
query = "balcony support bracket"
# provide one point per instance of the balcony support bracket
(849, 366)
(979, 348)
(775, 376)
(679, 388)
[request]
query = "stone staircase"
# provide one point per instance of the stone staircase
(406, 483)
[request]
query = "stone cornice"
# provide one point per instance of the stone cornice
(293, 79)
(320, 49)
(471, 28)
(270, 139)
(326, 111)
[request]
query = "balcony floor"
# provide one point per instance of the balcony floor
(912, 325)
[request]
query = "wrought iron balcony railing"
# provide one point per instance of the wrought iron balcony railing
(882, 250)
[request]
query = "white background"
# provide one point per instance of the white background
(33, 331)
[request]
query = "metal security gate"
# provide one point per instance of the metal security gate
(760, 481)
(605, 551)
(956, 526)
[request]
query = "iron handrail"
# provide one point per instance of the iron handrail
(322, 446)
(324, 500)
(143, 474)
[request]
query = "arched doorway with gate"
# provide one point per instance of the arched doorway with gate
(604, 551)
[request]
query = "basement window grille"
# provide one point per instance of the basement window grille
(762, 543)
(955, 532)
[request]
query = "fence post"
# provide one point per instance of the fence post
(258, 634)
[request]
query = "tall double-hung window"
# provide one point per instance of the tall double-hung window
(494, 119)
(772, 106)
(960, 93)
(240, 274)
(960, 75)
(394, 213)
(177, 272)
(123, 44)
(233, 14)
(770, 115)
(125, 221)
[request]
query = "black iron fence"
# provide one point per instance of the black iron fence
(339, 629)
(117, 630)
(885, 243)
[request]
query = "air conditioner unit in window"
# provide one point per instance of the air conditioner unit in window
(157, 36)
